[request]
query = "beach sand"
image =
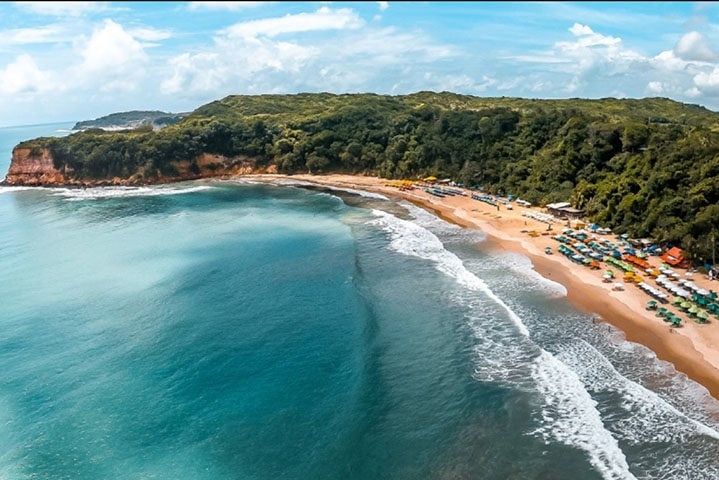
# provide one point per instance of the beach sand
(691, 348)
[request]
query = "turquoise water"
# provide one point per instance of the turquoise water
(236, 330)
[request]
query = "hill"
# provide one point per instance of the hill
(647, 167)
(131, 119)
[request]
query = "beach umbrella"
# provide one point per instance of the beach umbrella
(677, 301)
(685, 305)
(676, 321)
(703, 316)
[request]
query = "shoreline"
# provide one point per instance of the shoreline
(693, 349)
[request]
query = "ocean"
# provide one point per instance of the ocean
(242, 330)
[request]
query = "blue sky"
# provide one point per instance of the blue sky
(70, 61)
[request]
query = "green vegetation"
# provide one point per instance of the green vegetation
(646, 167)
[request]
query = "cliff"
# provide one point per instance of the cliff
(36, 167)
(31, 166)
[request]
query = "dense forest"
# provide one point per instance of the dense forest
(648, 167)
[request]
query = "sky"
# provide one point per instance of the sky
(73, 61)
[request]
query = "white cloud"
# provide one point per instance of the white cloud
(587, 38)
(62, 9)
(229, 6)
(191, 72)
(667, 61)
(249, 57)
(111, 58)
(383, 5)
(387, 46)
(708, 82)
(694, 47)
(693, 92)
(149, 34)
(111, 48)
(457, 83)
(28, 36)
(538, 58)
(581, 30)
(593, 53)
(234, 60)
(322, 19)
(655, 87)
(23, 76)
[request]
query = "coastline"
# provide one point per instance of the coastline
(693, 348)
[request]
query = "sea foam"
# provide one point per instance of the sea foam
(570, 415)
(94, 193)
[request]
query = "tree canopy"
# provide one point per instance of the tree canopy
(647, 167)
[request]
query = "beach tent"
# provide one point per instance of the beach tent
(674, 257)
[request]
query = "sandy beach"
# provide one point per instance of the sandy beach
(691, 348)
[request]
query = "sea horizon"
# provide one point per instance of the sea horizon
(238, 329)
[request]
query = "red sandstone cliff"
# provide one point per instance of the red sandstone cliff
(35, 167)
(30, 167)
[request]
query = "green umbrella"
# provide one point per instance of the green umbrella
(677, 301)
(703, 316)
(685, 305)
(676, 321)
(609, 273)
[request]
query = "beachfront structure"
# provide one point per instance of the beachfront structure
(564, 210)
(675, 257)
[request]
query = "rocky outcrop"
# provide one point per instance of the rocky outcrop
(35, 167)
(32, 166)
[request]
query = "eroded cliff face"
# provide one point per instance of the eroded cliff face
(35, 167)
